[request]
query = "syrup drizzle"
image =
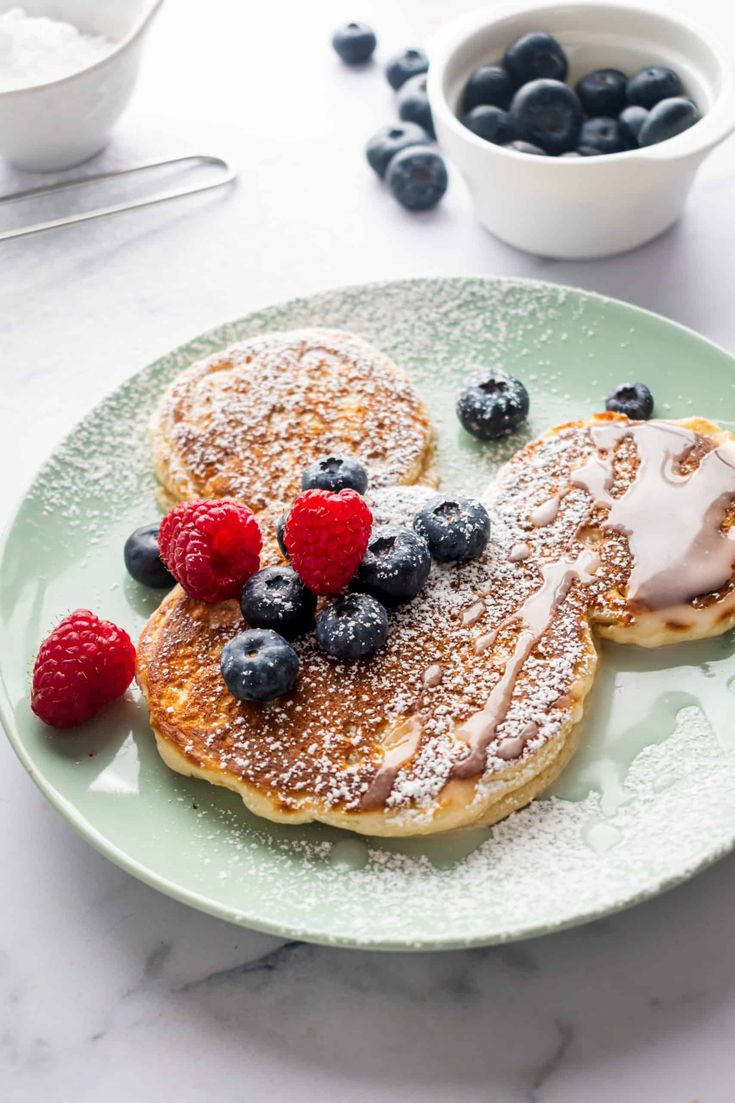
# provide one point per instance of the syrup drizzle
(534, 616)
(672, 563)
(519, 552)
(688, 554)
(401, 748)
(548, 511)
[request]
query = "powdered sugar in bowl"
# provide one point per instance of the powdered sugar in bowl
(64, 84)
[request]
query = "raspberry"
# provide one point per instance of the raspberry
(82, 665)
(326, 535)
(211, 547)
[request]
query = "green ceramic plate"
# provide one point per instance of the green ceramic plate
(650, 798)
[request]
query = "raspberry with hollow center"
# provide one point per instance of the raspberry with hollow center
(326, 535)
(211, 547)
(84, 663)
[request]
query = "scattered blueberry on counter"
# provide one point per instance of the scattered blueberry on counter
(143, 559)
(401, 153)
(632, 399)
(417, 177)
(355, 43)
(413, 104)
(395, 566)
(352, 627)
(276, 598)
(391, 140)
(608, 112)
(455, 529)
(335, 473)
(407, 64)
(493, 405)
(259, 665)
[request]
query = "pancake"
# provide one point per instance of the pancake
(654, 499)
(619, 528)
(470, 709)
(245, 422)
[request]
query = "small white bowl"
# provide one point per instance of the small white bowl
(64, 122)
(578, 208)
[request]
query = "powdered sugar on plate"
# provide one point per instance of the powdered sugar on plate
(556, 862)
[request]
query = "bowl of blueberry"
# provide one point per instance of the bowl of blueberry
(578, 127)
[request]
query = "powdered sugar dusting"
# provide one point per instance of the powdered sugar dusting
(245, 422)
(536, 870)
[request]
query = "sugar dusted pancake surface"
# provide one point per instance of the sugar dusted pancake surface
(655, 500)
(472, 708)
(376, 746)
(245, 422)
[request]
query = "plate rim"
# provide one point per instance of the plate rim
(237, 916)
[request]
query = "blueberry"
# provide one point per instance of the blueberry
(456, 529)
(143, 559)
(417, 177)
(352, 627)
(491, 123)
(354, 42)
(535, 55)
(602, 92)
(413, 104)
(391, 140)
(488, 85)
(280, 529)
(335, 473)
(493, 406)
(649, 86)
(571, 153)
(632, 399)
(630, 120)
(525, 147)
(259, 665)
(405, 65)
(586, 151)
(395, 566)
(601, 134)
(277, 598)
(547, 113)
(667, 119)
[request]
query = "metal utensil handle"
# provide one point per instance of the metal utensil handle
(229, 174)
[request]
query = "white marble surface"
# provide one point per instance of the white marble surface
(109, 991)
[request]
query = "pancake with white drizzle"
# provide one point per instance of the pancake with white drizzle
(245, 422)
(655, 499)
(473, 706)
(469, 710)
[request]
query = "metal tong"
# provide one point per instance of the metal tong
(227, 176)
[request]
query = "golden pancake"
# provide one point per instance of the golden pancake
(245, 422)
(468, 711)
(655, 501)
(472, 707)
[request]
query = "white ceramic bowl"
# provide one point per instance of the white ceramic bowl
(66, 121)
(593, 206)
